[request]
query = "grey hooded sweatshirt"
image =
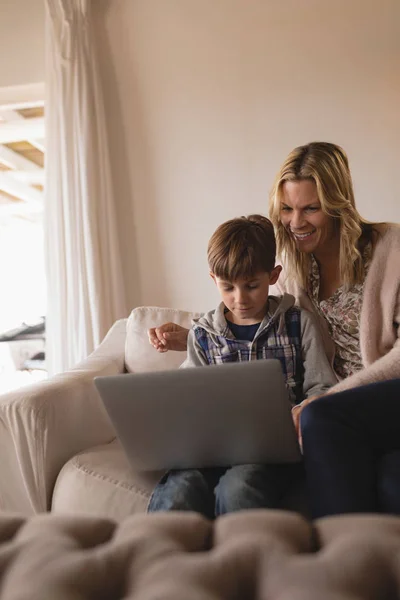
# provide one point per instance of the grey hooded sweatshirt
(287, 333)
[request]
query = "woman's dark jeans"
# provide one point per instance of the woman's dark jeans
(351, 446)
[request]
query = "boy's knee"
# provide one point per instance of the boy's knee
(192, 478)
(183, 490)
(248, 487)
(230, 483)
(228, 493)
(233, 485)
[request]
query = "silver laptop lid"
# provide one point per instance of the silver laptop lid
(199, 417)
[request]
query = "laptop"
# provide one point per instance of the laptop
(219, 415)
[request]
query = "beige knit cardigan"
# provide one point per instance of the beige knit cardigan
(380, 313)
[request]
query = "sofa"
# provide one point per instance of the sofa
(57, 444)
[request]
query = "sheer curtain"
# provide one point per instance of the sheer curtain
(85, 285)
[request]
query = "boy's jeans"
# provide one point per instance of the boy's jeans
(217, 491)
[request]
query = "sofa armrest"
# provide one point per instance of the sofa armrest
(43, 425)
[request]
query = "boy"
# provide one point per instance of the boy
(247, 325)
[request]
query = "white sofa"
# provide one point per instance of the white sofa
(58, 447)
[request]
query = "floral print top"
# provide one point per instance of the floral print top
(342, 312)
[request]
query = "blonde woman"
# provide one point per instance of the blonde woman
(339, 266)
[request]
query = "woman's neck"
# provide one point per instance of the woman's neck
(328, 254)
(329, 270)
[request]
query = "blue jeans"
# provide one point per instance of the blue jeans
(217, 491)
(351, 446)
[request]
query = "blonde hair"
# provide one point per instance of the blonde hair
(327, 166)
(242, 247)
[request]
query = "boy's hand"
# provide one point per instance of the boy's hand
(296, 412)
(168, 336)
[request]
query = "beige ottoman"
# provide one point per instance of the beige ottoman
(265, 555)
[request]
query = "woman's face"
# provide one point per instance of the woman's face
(301, 214)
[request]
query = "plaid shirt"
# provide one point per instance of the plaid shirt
(279, 339)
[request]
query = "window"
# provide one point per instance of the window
(22, 270)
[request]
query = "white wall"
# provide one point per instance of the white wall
(205, 99)
(21, 42)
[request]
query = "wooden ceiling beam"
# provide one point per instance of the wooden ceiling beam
(25, 129)
(30, 177)
(12, 115)
(14, 160)
(38, 144)
(20, 189)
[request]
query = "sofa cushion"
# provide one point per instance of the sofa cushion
(250, 555)
(139, 354)
(100, 482)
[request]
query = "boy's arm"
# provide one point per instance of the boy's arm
(318, 374)
(195, 354)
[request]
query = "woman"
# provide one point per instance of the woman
(339, 266)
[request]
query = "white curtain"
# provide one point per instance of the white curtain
(85, 285)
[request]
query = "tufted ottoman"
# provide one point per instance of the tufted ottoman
(268, 555)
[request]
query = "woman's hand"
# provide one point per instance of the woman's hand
(168, 336)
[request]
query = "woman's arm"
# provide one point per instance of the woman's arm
(380, 316)
(387, 367)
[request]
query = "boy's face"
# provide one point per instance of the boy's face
(246, 299)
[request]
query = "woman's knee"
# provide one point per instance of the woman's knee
(313, 414)
(389, 482)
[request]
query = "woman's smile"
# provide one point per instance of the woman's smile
(302, 236)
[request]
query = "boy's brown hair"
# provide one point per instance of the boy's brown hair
(242, 247)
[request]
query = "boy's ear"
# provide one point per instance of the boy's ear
(274, 275)
(213, 277)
